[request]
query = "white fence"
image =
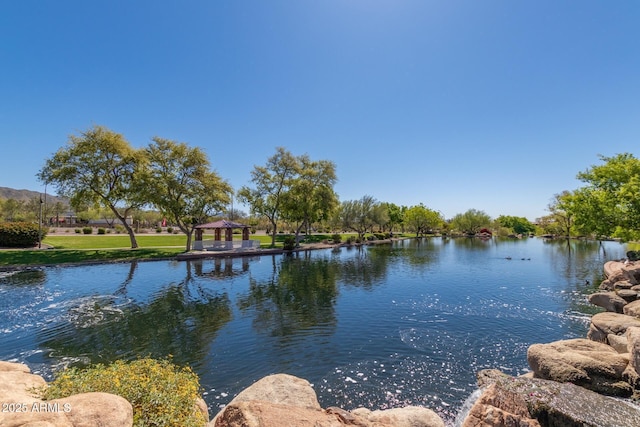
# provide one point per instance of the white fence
(223, 245)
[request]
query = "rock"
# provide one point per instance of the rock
(635, 288)
(618, 343)
(81, 410)
(627, 294)
(265, 414)
(583, 362)
(632, 309)
(606, 285)
(97, 409)
(603, 324)
(622, 285)
(409, 416)
(281, 389)
(617, 271)
(563, 404)
(610, 301)
(282, 399)
(633, 345)
(499, 407)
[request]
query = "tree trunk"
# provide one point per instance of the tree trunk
(123, 220)
(275, 230)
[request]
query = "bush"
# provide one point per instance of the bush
(101, 230)
(337, 238)
(87, 230)
(20, 234)
(77, 230)
(169, 230)
(289, 243)
(158, 229)
(161, 393)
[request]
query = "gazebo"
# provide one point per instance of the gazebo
(217, 243)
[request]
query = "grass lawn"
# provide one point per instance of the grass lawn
(69, 248)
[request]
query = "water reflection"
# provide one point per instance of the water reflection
(299, 295)
(180, 319)
(403, 323)
(23, 278)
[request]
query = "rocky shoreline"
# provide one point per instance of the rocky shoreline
(575, 382)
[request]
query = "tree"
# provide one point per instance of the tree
(270, 182)
(612, 189)
(471, 222)
(395, 214)
(98, 168)
(358, 215)
(181, 185)
(421, 219)
(310, 197)
(517, 224)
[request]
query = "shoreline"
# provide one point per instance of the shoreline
(195, 255)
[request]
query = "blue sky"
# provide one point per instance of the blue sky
(491, 105)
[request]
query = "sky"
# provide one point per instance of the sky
(493, 105)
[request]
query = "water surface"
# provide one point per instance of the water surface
(379, 326)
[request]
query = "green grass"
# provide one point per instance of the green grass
(91, 241)
(62, 256)
(75, 248)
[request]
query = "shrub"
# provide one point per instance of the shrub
(289, 243)
(169, 230)
(20, 234)
(77, 230)
(350, 240)
(120, 229)
(337, 238)
(161, 393)
(87, 230)
(158, 229)
(101, 230)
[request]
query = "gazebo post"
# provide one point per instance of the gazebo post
(245, 233)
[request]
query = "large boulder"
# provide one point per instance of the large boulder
(583, 362)
(409, 416)
(18, 388)
(632, 309)
(603, 324)
(559, 404)
(617, 271)
(282, 399)
(498, 407)
(610, 301)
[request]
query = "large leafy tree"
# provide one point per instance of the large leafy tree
(180, 184)
(517, 224)
(395, 215)
(98, 168)
(270, 184)
(358, 215)
(471, 222)
(310, 197)
(421, 219)
(611, 198)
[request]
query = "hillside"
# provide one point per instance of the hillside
(12, 193)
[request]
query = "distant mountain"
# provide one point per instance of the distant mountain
(12, 193)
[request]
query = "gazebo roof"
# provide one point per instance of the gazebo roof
(222, 224)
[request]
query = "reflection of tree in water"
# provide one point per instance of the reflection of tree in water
(24, 278)
(474, 243)
(181, 320)
(580, 263)
(367, 267)
(299, 295)
(416, 252)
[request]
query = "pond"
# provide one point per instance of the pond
(378, 326)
